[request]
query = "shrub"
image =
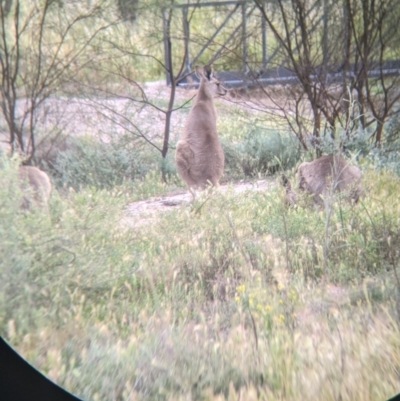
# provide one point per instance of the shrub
(357, 144)
(260, 151)
(388, 155)
(89, 162)
(185, 306)
(49, 147)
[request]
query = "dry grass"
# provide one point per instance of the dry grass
(222, 299)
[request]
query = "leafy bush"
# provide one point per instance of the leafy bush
(89, 162)
(220, 299)
(388, 156)
(357, 144)
(260, 151)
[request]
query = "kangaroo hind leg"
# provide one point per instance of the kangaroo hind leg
(184, 158)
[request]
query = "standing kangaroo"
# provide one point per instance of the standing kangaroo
(36, 187)
(199, 156)
(316, 176)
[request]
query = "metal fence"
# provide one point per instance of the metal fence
(265, 74)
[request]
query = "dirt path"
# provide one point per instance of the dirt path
(146, 211)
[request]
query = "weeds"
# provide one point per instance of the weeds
(205, 305)
(260, 151)
(89, 162)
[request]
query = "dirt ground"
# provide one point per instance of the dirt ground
(119, 114)
(80, 116)
(145, 211)
(331, 297)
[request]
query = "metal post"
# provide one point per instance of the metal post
(346, 36)
(230, 37)
(292, 32)
(325, 32)
(215, 34)
(264, 42)
(186, 34)
(244, 44)
(165, 38)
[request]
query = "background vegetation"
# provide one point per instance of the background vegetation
(233, 296)
(236, 295)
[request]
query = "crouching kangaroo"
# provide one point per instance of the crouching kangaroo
(327, 172)
(199, 156)
(36, 187)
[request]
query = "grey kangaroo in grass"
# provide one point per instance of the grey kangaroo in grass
(331, 171)
(36, 187)
(199, 156)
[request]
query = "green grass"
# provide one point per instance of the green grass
(218, 300)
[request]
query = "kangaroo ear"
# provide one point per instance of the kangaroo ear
(203, 72)
(199, 71)
(207, 71)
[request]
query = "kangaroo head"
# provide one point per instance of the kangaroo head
(208, 83)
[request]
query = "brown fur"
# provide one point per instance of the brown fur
(36, 186)
(199, 156)
(332, 172)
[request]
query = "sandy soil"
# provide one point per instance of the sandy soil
(146, 211)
